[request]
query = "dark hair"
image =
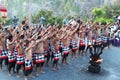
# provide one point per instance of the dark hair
(39, 37)
(24, 28)
(22, 36)
(39, 25)
(48, 38)
(27, 41)
(23, 22)
(17, 32)
(78, 21)
(27, 27)
(10, 37)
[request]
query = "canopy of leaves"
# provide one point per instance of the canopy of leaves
(49, 18)
(98, 12)
(106, 13)
(103, 20)
(113, 10)
(8, 21)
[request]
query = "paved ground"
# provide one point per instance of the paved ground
(76, 70)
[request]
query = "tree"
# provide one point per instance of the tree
(98, 12)
(48, 16)
(101, 15)
(113, 10)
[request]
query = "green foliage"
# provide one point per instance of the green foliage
(60, 7)
(101, 15)
(107, 11)
(112, 10)
(48, 17)
(59, 20)
(103, 20)
(8, 21)
(98, 12)
(1, 20)
(67, 6)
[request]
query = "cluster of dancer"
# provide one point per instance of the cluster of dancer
(28, 48)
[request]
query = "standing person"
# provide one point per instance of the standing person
(28, 60)
(81, 44)
(11, 54)
(65, 50)
(3, 50)
(98, 43)
(74, 36)
(20, 57)
(40, 55)
(105, 38)
(56, 53)
(46, 51)
(98, 38)
(74, 48)
(89, 41)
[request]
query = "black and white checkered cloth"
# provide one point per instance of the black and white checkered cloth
(66, 49)
(60, 44)
(104, 39)
(20, 59)
(57, 55)
(74, 44)
(40, 57)
(4, 54)
(98, 39)
(11, 56)
(28, 64)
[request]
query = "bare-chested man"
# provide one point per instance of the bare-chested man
(28, 60)
(11, 54)
(81, 42)
(105, 37)
(40, 55)
(3, 49)
(56, 53)
(74, 36)
(20, 56)
(89, 40)
(46, 51)
(65, 50)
